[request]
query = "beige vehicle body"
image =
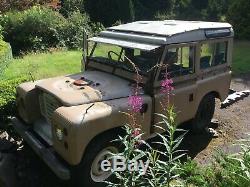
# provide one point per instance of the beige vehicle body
(66, 113)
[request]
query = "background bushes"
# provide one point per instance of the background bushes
(34, 29)
(72, 31)
(69, 6)
(40, 28)
(110, 11)
(239, 16)
(7, 5)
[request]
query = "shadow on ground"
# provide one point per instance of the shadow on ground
(20, 166)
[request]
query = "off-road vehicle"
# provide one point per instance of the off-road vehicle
(69, 121)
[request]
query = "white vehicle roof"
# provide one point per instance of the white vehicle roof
(149, 35)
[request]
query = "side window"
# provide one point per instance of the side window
(179, 62)
(220, 56)
(213, 54)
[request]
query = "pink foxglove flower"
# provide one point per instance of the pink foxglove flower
(135, 103)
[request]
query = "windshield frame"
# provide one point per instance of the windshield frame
(121, 69)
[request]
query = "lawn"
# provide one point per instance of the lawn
(241, 57)
(45, 65)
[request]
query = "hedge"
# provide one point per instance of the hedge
(8, 97)
(5, 55)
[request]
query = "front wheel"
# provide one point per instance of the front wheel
(204, 114)
(89, 172)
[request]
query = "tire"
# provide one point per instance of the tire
(84, 175)
(204, 114)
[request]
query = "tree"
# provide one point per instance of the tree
(110, 11)
(239, 17)
(69, 6)
(147, 9)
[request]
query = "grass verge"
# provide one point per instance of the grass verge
(44, 65)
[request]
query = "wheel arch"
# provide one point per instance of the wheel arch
(116, 130)
(216, 94)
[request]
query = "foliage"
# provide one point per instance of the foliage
(7, 97)
(208, 10)
(164, 166)
(239, 16)
(227, 170)
(109, 11)
(40, 28)
(192, 173)
(148, 9)
(130, 152)
(7, 5)
(69, 6)
(37, 28)
(235, 169)
(5, 55)
(72, 32)
(1, 32)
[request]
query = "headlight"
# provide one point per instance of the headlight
(59, 134)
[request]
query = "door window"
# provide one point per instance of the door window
(179, 62)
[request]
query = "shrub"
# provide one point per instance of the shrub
(96, 28)
(72, 32)
(69, 6)
(33, 29)
(40, 28)
(7, 97)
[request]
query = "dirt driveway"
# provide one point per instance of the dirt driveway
(234, 124)
(21, 167)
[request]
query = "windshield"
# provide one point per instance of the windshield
(120, 57)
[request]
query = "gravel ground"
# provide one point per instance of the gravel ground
(19, 166)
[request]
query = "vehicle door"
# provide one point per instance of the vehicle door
(181, 68)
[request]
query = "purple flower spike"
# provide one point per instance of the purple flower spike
(135, 102)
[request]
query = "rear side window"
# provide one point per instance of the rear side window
(213, 54)
(179, 61)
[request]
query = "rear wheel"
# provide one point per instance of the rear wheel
(88, 172)
(204, 114)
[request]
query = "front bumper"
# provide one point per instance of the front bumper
(47, 154)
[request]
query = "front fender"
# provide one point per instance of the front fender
(83, 123)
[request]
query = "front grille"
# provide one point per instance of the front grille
(48, 105)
